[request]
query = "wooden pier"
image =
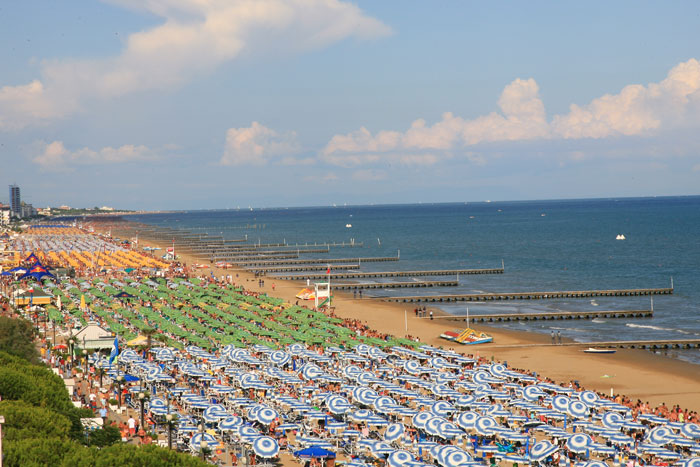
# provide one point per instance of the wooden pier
(367, 275)
(280, 262)
(394, 285)
(317, 267)
(661, 344)
(561, 315)
(485, 297)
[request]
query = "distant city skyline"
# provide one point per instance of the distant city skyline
(180, 104)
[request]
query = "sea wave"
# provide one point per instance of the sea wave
(659, 328)
(598, 320)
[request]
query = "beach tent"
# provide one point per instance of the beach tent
(32, 259)
(37, 272)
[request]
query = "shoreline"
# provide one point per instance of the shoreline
(637, 374)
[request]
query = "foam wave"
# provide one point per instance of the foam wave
(659, 328)
(598, 320)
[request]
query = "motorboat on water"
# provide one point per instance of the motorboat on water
(620, 237)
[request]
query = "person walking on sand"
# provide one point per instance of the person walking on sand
(554, 338)
(559, 337)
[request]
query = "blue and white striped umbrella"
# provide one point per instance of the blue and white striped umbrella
(399, 458)
(432, 426)
(561, 403)
(311, 371)
(542, 450)
(456, 458)
(351, 371)
(266, 415)
(296, 349)
(589, 398)
(690, 430)
(438, 363)
(532, 393)
(279, 357)
(365, 396)
(248, 432)
(420, 419)
(362, 415)
(660, 435)
(485, 425)
(439, 452)
(442, 408)
(612, 420)
(230, 423)
(412, 367)
(692, 462)
(498, 370)
(394, 431)
(383, 404)
(380, 449)
(467, 419)
(376, 353)
(338, 404)
(265, 447)
(465, 400)
(196, 441)
(287, 426)
(362, 349)
(577, 409)
(579, 443)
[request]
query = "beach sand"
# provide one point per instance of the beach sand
(638, 374)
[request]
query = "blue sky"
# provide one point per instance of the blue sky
(186, 104)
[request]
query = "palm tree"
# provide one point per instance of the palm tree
(148, 332)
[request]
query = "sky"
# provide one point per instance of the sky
(201, 104)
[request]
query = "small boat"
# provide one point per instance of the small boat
(347, 226)
(467, 336)
(620, 237)
(594, 350)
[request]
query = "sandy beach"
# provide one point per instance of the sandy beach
(638, 374)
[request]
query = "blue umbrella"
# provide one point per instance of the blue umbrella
(384, 403)
(579, 443)
(442, 408)
(379, 449)
(612, 420)
(693, 462)
(351, 371)
(196, 441)
(432, 426)
(230, 423)
(456, 459)
(311, 371)
(542, 450)
(420, 419)
(279, 357)
(362, 415)
(485, 425)
(467, 419)
(561, 403)
(248, 432)
(660, 435)
(412, 367)
(498, 370)
(589, 398)
(365, 396)
(338, 404)
(266, 415)
(691, 430)
(532, 393)
(394, 431)
(465, 400)
(265, 447)
(399, 458)
(577, 409)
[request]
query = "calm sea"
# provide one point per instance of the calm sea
(545, 245)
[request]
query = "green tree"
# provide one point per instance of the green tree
(25, 421)
(17, 338)
(105, 436)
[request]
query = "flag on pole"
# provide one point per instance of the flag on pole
(115, 351)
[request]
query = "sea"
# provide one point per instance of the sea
(544, 245)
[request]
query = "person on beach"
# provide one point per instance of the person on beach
(431, 315)
(559, 337)
(554, 339)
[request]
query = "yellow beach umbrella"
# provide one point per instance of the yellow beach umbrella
(82, 302)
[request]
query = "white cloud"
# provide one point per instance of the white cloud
(635, 111)
(195, 37)
(55, 156)
(256, 144)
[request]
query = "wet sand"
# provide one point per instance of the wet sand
(638, 374)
